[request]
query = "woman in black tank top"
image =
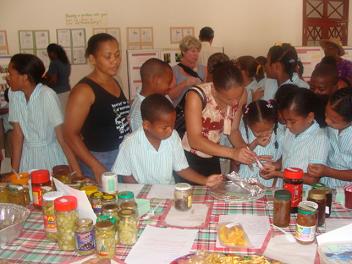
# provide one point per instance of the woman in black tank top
(97, 110)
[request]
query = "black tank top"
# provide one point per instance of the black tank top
(106, 123)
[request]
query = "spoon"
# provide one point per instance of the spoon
(15, 172)
(288, 236)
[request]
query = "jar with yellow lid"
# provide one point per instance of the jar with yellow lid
(105, 239)
(89, 189)
(21, 178)
(96, 200)
(4, 193)
(127, 227)
(108, 199)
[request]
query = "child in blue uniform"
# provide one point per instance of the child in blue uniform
(338, 171)
(258, 129)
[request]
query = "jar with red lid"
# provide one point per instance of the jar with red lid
(293, 182)
(40, 180)
(66, 218)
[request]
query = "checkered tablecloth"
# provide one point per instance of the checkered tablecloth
(32, 247)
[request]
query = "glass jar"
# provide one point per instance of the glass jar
(66, 218)
(125, 196)
(127, 227)
(108, 199)
(105, 239)
(85, 236)
(4, 193)
(130, 205)
(306, 222)
(49, 214)
(96, 200)
(39, 179)
(293, 182)
(16, 194)
(19, 178)
(319, 197)
(112, 211)
(109, 182)
(62, 173)
(183, 196)
(282, 208)
(89, 189)
(328, 193)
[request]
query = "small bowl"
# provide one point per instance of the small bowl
(12, 218)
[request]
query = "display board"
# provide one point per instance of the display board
(73, 40)
(113, 31)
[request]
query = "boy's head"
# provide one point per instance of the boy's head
(324, 79)
(159, 116)
(156, 76)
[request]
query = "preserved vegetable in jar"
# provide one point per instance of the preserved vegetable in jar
(4, 193)
(183, 196)
(124, 197)
(89, 189)
(127, 227)
(293, 182)
(108, 199)
(39, 180)
(306, 222)
(112, 212)
(16, 194)
(105, 239)
(319, 197)
(282, 208)
(328, 193)
(66, 218)
(49, 214)
(96, 200)
(130, 205)
(85, 237)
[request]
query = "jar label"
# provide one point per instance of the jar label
(305, 233)
(50, 224)
(105, 246)
(85, 241)
(97, 208)
(327, 210)
(296, 193)
(37, 195)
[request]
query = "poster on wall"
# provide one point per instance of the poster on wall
(178, 33)
(63, 37)
(310, 57)
(4, 62)
(4, 48)
(26, 39)
(113, 31)
(140, 38)
(41, 39)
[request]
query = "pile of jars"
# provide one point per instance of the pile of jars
(310, 214)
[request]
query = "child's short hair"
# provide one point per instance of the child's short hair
(286, 55)
(285, 92)
(248, 64)
(226, 75)
(154, 67)
(303, 102)
(215, 59)
(341, 103)
(153, 106)
(326, 70)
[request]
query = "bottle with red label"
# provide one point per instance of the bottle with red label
(293, 182)
(41, 184)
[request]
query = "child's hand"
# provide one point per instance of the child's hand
(269, 171)
(214, 180)
(244, 155)
(266, 158)
(316, 170)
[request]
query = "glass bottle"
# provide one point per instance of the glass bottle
(105, 239)
(50, 227)
(306, 222)
(319, 197)
(282, 208)
(293, 182)
(85, 236)
(127, 227)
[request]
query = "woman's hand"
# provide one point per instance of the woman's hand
(98, 170)
(317, 170)
(244, 155)
(214, 180)
(269, 171)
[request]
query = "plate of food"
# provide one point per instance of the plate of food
(216, 258)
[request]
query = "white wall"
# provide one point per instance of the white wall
(241, 26)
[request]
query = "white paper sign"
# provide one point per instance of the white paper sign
(194, 217)
(160, 191)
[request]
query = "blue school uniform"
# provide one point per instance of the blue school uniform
(269, 149)
(340, 154)
(251, 87)
(135, 112)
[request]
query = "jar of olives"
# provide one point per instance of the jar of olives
(85, 236)
(66, 218)
(124, 197)
(127, 227)
(108, 199)
(49, 214)
(105, 239)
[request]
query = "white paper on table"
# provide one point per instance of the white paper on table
(84, 207)
(341, 234)
(194, 217)
(81, 261)
(256, 227)
(290, 252)
(332, 224)
(161, 245)
(160, 191)
(135, 188)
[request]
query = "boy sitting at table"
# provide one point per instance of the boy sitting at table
(151, 153)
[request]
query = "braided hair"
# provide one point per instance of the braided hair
(341, 103)
(259, 111)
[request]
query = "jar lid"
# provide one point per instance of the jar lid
(105, 224)
(108, 197)
(89, 189)
(293, 173)
(109, 174)
(96, 195)
(125, 213)
(104, 217)
(183, 186)
(129, 205)
(307, 207)
(40, 176)
(84, 222)
(51, 196)
(282, 195)
(110, 208)
(317, 194)
(126, 195)
(65, 203)
(318, 185)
